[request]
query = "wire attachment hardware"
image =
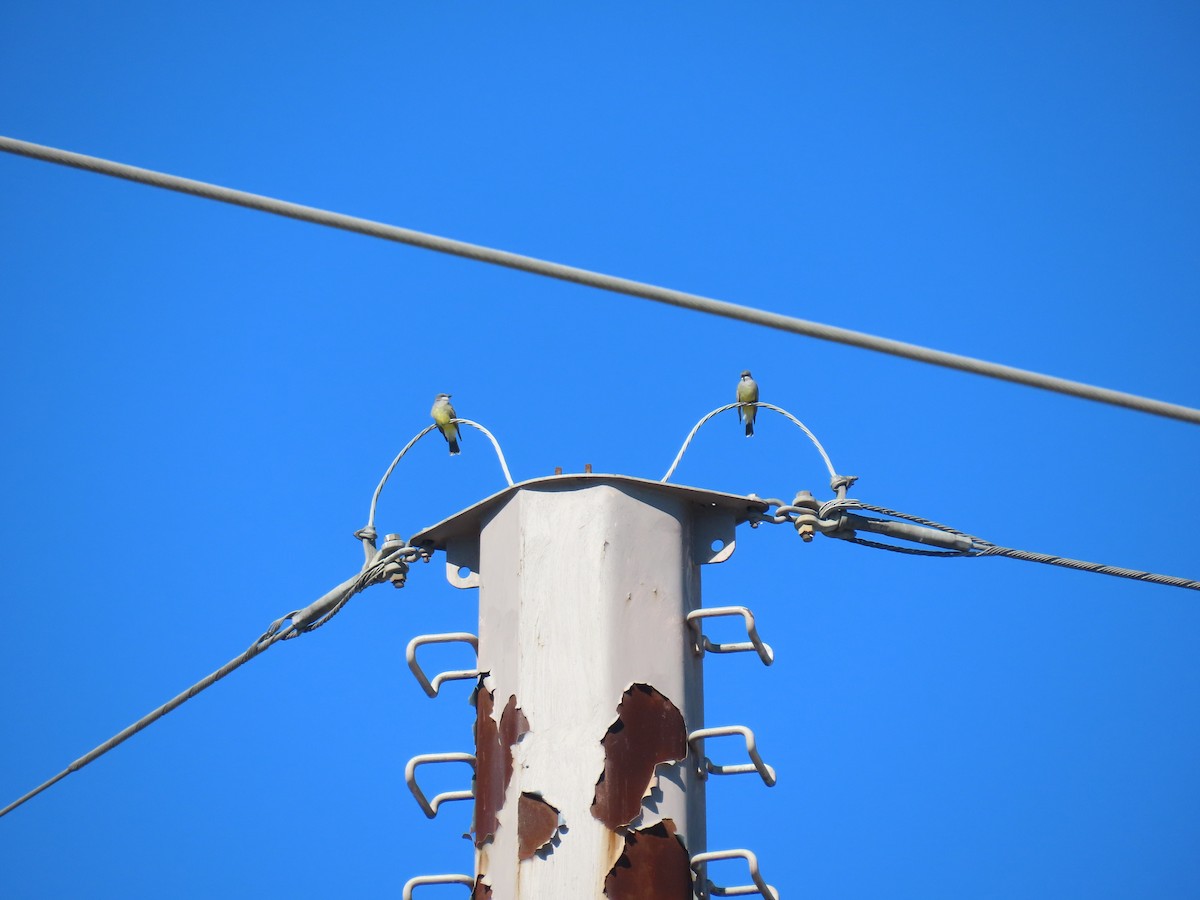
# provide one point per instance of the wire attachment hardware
(706, 888)
(705, 766)
(702, 644)
(432, 687)
(430, 807)
(435, 879)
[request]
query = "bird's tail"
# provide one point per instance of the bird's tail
(453, 446)
(749, 428)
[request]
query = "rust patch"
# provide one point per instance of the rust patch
(537, 824)
(481, 891)
(490, 778)
(513, 725)
(654, 866)
(649, 730)
(493, 758)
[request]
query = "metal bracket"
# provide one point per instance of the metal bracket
(701, 643)
(704, 765)
(432, 687)
(705, 888)
(713, 538)
(435, 879)
(463, 555)
(430, 807)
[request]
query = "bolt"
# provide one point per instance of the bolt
(805, 500)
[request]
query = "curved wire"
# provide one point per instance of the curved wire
(495, 446)
(388, 473)
(409, 445)
(896, 514)
(911, 551)
(783, 412)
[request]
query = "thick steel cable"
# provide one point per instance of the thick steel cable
(601, 281)
(299, 621)
(987, 549)
(252, 651)
(980, 547)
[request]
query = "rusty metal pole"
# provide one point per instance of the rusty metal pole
(590, 681)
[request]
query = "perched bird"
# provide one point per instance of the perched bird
(443, 413)
(747, 392)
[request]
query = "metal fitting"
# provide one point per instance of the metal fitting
(397, 573)
(840, 484)
(804, 521)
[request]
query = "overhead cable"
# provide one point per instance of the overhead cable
(390, 563)
(969, 545)
(601, 281)
(254, 649)
(984, 548)
(834, 519)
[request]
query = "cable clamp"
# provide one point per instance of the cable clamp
(756, 518)
(840, 484)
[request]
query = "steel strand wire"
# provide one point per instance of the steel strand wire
(986, 548)
(979, 547)
(601, 281)
(302, 621)
(150, 718)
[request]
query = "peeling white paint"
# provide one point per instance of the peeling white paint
(584, 590)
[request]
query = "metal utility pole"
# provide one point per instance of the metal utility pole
(589, 739)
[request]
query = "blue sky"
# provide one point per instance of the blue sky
(198, 400)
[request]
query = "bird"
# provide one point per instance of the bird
(444, 415)
(747, 392)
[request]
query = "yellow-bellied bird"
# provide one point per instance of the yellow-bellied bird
(747, 392)
(443, 413)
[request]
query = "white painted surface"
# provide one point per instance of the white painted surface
(584, 590)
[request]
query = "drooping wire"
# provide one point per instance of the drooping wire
(603, 282)
(783, 412)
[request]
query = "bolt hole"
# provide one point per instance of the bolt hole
(464, 572)
(717, 546)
